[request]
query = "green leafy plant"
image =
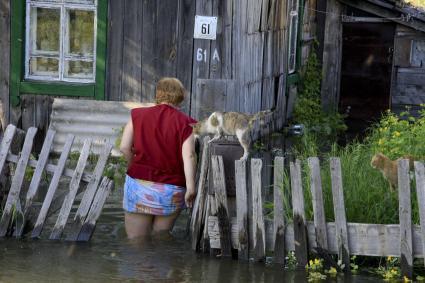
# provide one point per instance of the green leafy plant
(291, 260)
(308, 109)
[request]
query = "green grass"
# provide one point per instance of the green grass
(368, 197)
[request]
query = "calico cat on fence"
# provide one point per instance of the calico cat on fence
(230, 123)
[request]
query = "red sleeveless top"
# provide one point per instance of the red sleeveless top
(158, 136)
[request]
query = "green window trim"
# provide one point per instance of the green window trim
(294, 78)
(20, 86)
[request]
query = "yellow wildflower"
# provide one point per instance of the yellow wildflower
(381, 141)
(332, 271)
(311, 262)
(316, 261)
(389, 258)
(406, 279)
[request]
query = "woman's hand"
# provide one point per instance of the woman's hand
(189, 198)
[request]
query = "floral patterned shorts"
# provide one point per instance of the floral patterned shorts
(147, 197)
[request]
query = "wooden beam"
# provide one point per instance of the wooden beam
(350, 19)
(378, 8)
(332, 55)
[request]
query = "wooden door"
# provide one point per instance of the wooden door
(366, 72)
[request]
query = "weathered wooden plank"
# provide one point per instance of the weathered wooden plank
(410, 98)
(9, 133)
(259, 236)
(332, 55)
(36, 178)
(300, 230)
(405, 218)
(278, 214)
(410, 78)
(115, 50)
(96, 209)
(186, 20)
(339, 211)
(5, 45)
(242, 209)
(217, 45)
(265, 14)
(51, 168)
(318, 207)
(73, 188)
(211, 96)
(198, 213)
(17, 180)
(222, 209)
(132, 51)
(365, 239)
(89, 194)
(205, 239)
(227, 49)
(38, 227)
(201, 56)
(420, 191)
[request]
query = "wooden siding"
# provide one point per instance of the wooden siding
(408, 83)
(146, 41)
(4, 59)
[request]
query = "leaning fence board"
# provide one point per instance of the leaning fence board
(405, 218)
(96, 208)
(89, 194)
(17, 180)
(318, 208)
(198, 220)
(73, 188)
(38, 227)
(420, 190)
(365, 239)
(257, 210)
(242, 209)
(279, 221)
(301, 250)
(36, 178)
(5, 144)
(339, 210)
(222, 209)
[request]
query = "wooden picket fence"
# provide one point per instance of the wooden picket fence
(16, 217)
(215, 226)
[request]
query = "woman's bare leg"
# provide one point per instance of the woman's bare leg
(163, 224)
(138, 225)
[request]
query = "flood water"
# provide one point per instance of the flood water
(110, 257)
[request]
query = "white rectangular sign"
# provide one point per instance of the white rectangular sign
(205, 27)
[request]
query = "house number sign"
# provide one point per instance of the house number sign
(205, 27)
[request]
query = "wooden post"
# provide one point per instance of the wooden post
(279, 220)
(405, 216)
(257, 210)
(339, 211)
(18, 178)
(36, 178)
(38, 227)
(242, 209)
(198, 213)
(300, 228)
(318, 208)
(89, 194)
(332, 54)
(5, 144)
(222, 210)
(420, 191)
(96, 208)
(73, 188)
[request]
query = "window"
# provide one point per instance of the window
(293, 36)
(60, 40)
(58, 48)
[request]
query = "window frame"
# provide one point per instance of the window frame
(20, 85)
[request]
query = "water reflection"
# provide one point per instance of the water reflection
(110, 257)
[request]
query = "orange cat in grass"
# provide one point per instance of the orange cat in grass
(388, 167)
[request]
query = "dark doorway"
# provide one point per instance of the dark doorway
(365, 73)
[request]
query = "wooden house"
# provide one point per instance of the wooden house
(373, 58)
(116, 50)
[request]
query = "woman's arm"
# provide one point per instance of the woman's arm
(126, 146)
(189, 161)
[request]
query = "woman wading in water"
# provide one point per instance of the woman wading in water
(159, 147)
